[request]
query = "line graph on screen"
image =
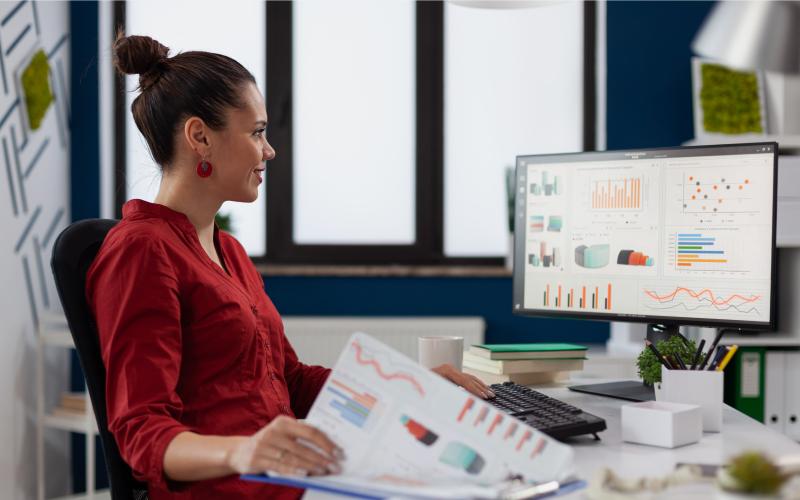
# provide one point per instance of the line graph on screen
(689, 299)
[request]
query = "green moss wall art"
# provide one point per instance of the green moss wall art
(36, 88)
(730, 100)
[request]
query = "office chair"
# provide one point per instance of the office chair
(73, 253)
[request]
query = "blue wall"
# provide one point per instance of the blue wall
(649, 96)
(486, 297)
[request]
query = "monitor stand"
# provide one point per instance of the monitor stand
(631, 390)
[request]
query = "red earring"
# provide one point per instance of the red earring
(204, 168)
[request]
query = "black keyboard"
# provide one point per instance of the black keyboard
(549, 415)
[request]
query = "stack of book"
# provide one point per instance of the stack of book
(72, 404)
(525, 364)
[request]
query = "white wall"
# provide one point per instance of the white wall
(34, 207)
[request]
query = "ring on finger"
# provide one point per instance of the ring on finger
(280, 455)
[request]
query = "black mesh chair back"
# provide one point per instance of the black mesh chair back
(73, 253)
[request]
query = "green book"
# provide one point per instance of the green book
(529, 351)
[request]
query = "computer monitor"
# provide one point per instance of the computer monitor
(669, 236)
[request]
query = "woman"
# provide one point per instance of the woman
(202, 383)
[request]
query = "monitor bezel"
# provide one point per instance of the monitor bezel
(518, 276)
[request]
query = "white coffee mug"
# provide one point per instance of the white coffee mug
(438, 350)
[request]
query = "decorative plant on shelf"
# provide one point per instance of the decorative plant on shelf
(730, 100)
(511, 196)
(650, 367)
(751, 473)
(224, 222)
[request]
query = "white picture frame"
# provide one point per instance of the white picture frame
(700, 131)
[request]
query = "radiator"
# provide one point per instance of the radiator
(318, 340)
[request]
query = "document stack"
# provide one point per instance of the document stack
(524, 364)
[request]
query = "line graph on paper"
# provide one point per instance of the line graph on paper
(390, 374)
(706, 301)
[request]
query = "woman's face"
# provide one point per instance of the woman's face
(239, 151)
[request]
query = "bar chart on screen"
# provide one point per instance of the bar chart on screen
(590, 297)
(619, 193)
(545, 183)
(699, 251)
(616, 197)
(715, 253)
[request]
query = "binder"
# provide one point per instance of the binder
(774, 391)
(791, 395)
(744, 381)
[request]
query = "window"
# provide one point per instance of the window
(182, 27)
(353, 106)
(513, 85)
(393, 122)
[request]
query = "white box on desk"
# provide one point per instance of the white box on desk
(659, 423)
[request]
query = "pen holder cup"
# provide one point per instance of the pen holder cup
(697, 387)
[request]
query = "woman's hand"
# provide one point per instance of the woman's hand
(469, 382)
(287, 446)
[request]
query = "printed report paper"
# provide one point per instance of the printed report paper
(408, 430)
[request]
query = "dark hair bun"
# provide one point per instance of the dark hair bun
(138, 55)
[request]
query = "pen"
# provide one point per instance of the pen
(685, 340)
(711, 349)
(727, 358)
(658, 354)
(680, 361)
(721, 350)
(697, 354)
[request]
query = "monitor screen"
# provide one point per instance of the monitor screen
(669, 236)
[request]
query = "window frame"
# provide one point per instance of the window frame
(428, 248)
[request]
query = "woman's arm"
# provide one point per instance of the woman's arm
(469, 382)
(277, 447)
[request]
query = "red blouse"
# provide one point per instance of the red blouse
(188, 346)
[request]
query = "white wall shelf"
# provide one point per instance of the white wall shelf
(98, 495)
(761, 341)
(787, 143)
(77, 423)
(53, 331)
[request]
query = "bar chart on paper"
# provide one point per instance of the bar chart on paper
(353, 406)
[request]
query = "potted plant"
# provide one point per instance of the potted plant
(751, 475)
(224, 222)
(511, 196)
(650, 367)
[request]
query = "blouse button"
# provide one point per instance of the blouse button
(254, 309)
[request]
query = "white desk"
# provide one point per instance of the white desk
(739, 433)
